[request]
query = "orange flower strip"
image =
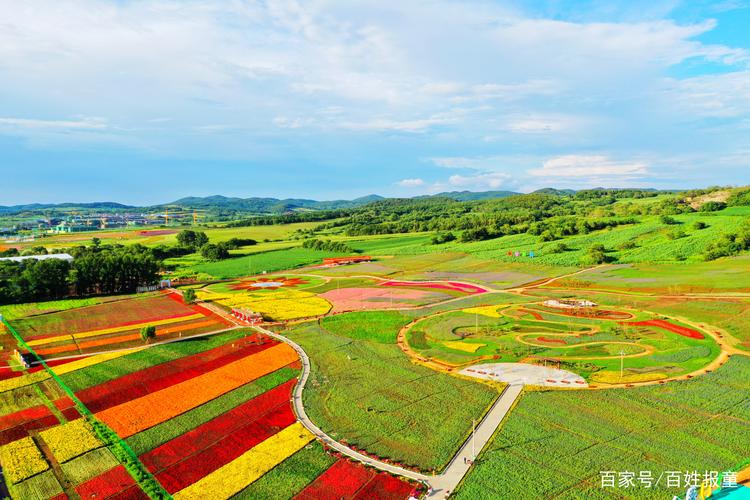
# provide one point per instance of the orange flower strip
(125, 338)
(139, 414)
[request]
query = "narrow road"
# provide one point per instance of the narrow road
(444, 484)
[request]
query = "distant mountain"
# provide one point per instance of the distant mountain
(269, 205)
(103, 205)
(472, 196)
(555, 192)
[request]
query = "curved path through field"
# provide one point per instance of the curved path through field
(440, 486)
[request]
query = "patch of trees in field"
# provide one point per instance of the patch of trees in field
(95, 270)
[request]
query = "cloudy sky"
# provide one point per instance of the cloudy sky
(148, 101)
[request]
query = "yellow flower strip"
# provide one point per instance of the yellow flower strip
(233, 477)
(33, 378)
(139, 414)
(70, 440)
(491, 311)
(22, 459)
(116, 329)
(276, 304)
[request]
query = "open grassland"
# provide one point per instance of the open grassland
(269, 262)
(372, 326)
(554, 444)
(369, 394)
(723, 275)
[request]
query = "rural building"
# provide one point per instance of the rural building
(59, 256)
(341, 261)
(569, 303)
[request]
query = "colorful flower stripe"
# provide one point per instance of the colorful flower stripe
(21, 460)
(385, 487)
(70, 440)
(448, 285)
(670, 327)
(19, 417)
(125, 338)
(194, 468)
(107, 484)
(22, 430)
(214, 430)
(6, 374)
(33, 378)
(342, 480)
(253, 464)
(131, 311)
(156, 378)
(117, 329)
(134, 416)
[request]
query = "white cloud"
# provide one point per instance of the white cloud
(88, 123)
(486, 180)
(590, 167)
(411, 183)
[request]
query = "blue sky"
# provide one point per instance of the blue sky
(148, 101)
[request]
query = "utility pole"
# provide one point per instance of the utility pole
(473, 433)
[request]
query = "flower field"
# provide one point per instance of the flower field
(273, 304)
(464, 288)
(116, 326)
(362, 298)
(208, 418)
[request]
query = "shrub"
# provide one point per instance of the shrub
(666, 219)
(441, 238)
(188, 296)
(148, 332)
(712, 206)
(698, 225)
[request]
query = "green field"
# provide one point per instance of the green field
(370, 395)
(555, 443)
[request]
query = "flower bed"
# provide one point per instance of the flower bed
(22, 459)
(671, 327)
(158, 377)
(385, 487)
(441, 285)
(130, 311)
(105, 485)
(70, 440)
(214, 430)
(237, 474)
(277, 305)
(357, 299)
(224, 451)
(342, 480)
(139, 414)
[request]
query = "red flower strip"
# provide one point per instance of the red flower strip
(107, 484)
(385, 487)
(212, 431)
(193, 468)
(342, 480)
(666, 325)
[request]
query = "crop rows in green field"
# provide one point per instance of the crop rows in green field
(554, 444)
(370, 394)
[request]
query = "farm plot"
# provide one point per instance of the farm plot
(369, 394)
(355, 299)
(115, 324)
(196, 413)
(275, 304)
(594, 346)
(554, 443)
